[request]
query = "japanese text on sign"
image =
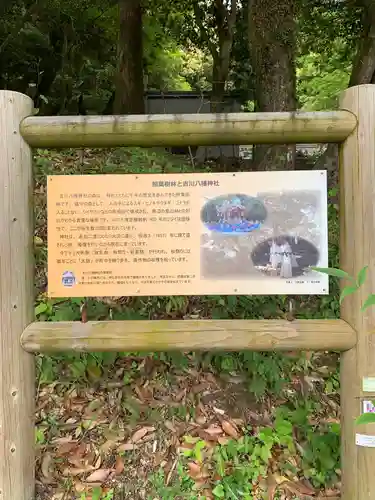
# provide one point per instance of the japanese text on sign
(186, 234)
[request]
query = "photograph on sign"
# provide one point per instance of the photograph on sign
(248, 233)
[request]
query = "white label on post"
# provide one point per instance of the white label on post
(368, 384)
(368, 407)
(364, 440)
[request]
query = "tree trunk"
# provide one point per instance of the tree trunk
(224, 22)
(225, 19)
(129, 97)
(272, 38)
(219, 77)
(363, 70)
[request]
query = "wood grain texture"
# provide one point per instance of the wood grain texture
(17, 378)
(357, 249)
(185, 130)
(230, 335)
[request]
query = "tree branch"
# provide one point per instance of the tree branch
(199, 16)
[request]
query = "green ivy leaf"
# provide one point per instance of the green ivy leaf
(218, 491)
(361, 277)
(199, 446)
(370, 301)
(348, 290)
(40, 308)
(366, 418)
(332, 271)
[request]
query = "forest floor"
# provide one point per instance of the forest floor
(180, 425)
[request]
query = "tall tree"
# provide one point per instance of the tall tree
(129, 96)
(272, 39)
(208, 25)
(216, 24)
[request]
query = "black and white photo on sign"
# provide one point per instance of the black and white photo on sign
(285, 256)
(282, 240)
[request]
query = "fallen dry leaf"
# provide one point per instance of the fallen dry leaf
(98, 462)
(180, 395)
(213, 430)
(127, 447)
(208, 437)
(66, 448)
(71, 471)
(46, 466)
(229, 429)
(140, 434)
(108, 446)
(59, 495)
(194, 469)
(169, 425)
(201, 420)
(298, 488)
(208, 494)
(219, 411)
(120, 466)
(223, 440)
(79, 487)
(329, 493)
(64, 440)
(99, 476)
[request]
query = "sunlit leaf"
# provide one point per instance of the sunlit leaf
(218, 491)
(40, 308)
(361, 277)
(370, 301)
(366, 418)
(348, 290)
(332, 271)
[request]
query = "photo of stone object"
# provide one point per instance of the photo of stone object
(228, 254)
(285, 256)
(233, 213)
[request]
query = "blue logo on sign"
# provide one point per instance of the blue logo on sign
(68, 279)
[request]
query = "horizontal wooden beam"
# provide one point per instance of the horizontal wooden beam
(185, 130)
(227, 335)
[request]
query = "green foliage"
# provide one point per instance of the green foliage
(65, 54)
(62, 50)
(328, 35)
(168, 64)
(98, 494)
(61, 53)
(320, 81)
(320, 451)
(356, 283)
(237, 465)
(184, 488)
(366, 418)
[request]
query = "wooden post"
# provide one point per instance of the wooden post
(357, 249)
(17, 379)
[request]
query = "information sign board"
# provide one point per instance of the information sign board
(246, 233)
